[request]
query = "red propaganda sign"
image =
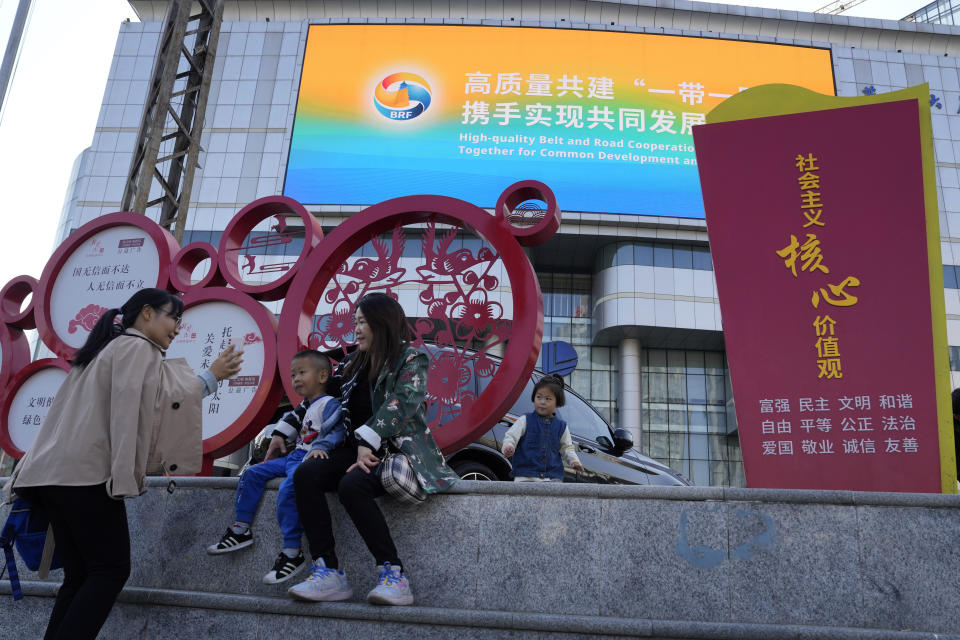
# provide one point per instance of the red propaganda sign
(819, 236)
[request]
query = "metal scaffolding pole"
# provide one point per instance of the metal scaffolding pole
(168, 145)
(13, 49)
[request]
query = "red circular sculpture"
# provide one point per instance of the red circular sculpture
(166, 246)
(187, 259)
(524, 191)
(451, 293)
(454, 288)
(14, 354)
(234, 243)
(12, 295)
(268, 393)
(6, 443)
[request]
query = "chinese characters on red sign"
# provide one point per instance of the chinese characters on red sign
(830, 341)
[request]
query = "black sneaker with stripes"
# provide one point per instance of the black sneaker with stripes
(231, 542)
(284, 568)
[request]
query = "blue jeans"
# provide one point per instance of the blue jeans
(250, 490)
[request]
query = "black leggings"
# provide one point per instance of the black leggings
(90, 529)
(357, 492)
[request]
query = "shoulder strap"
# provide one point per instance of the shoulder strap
(16, 521)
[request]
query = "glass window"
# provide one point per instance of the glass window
(656, 359)
(696, 388)
(656, 387)
(676, 361)
(581, 305)
(699, 472)
(562, 305)
(678, 445)
(623, 255)
(643, 254)
(716, 420)
(713, 362)
(678, 417)
(600, 358)
(580, 331)
(715, 390)
(682, 257)
(698, 446)
(658, 417)
(698, 419)
(695, 362)
(561, 330)
(662, 254)
(606, 257)
(412, 247)
(676, 387)
(472, 243)
(580, 381)
(600, 385)
(949, 276)
(659, 446)
(695, 417)
(701, 258)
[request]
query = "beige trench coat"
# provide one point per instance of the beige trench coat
(126, 413)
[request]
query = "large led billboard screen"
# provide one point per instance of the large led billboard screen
(603, 118)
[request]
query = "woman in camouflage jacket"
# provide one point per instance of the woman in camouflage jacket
(382, 390)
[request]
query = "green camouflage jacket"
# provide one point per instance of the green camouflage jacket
(399, 417)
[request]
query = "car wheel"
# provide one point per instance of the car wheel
(470, 470)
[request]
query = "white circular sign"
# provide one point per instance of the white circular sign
(101, 274)
(208, 328)
(30, 405)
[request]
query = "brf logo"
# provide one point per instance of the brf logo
(402, 96)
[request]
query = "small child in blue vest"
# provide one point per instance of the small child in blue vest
(538, 438)
(313, 429)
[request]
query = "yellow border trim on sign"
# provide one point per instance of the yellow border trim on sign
(782, 99)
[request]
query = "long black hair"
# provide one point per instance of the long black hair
(388, 324)
(107, 328)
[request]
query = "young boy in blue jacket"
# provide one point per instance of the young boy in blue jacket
(317, 428)
(539, 438)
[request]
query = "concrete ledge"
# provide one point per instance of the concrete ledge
(40, 595)
(878, 562)
(633, 492)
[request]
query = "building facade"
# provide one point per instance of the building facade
(939, 12)
(633, 293)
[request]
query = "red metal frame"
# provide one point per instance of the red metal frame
(240, 227)
(187, 259)
(12, 295)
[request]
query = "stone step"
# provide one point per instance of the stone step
(147, 614)
(882, 563)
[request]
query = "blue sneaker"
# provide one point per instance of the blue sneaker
(392, 587)
(323, 585)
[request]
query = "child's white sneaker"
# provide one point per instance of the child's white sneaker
(392, 587)
(323, 585)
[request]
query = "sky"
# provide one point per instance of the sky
(53, 104)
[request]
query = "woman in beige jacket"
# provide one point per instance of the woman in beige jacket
(122, 411)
